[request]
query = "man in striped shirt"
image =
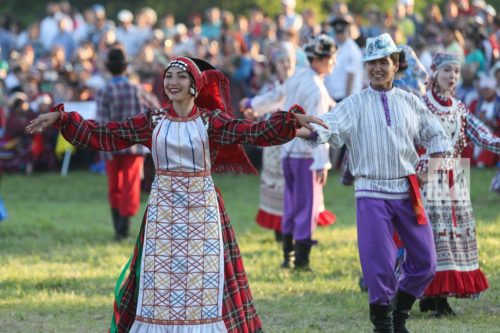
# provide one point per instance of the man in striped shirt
(381, 126)
(118, 100)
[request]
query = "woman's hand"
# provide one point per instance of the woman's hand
(321, 176)
(305, 120)
(43, 121)
(303, 133)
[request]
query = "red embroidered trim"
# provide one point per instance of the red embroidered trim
(164, 172)
(181, 119)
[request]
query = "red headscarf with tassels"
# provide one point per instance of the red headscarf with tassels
(213, 93)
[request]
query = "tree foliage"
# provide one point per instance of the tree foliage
(27, 11)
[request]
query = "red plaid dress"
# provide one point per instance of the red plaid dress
(238, 311)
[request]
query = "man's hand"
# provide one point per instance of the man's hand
(423, 178)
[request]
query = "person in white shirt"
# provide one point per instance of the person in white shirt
(305, 169)
(127, 32)
(380, 127)
(347, 76)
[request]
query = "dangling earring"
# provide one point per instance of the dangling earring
(192, 91)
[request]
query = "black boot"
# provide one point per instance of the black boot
(287, 251)
(381, 318)
(302, 251)
(443, 308)
(402, 306)
(124, 227)
(427, 304)
(116, 222)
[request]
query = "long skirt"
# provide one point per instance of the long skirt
(238, 311)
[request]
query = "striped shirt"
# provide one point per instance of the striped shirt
(381, 129)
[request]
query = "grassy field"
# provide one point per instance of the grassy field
(59, 261)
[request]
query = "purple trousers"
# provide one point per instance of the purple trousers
(301, 199)
(376, 221)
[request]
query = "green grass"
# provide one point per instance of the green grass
(59, 262)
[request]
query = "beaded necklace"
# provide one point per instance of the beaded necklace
(451, 114)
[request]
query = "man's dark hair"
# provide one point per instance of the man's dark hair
(116, 61)
(395, 57)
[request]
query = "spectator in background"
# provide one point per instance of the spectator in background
(495, 73)
(63, 37)
(432, 25)
(409, 6)
(256, 23)
(31, 37)
(212, 27)
(101, 25)
(374, 25)
(466, 90)
(4, 69)
(288, 20)
(487, 109)
(310, 28)
(195, 26)
(406, 25)
(15, 148)
(347, 76)
(183, 44)
(145, 20)
(475, 56)
(48, 26)
(453, 41)
(127, 32)
(451, 12)
(167, 25)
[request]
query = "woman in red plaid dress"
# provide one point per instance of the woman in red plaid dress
(186, 272)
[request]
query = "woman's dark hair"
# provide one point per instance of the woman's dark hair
(403, 65)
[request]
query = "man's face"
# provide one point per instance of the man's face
(325, 65)
(381, 72)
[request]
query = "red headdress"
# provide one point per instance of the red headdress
(213, 93)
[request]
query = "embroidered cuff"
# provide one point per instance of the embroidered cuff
(297, 109)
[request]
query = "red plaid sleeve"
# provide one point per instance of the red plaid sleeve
(278, 129)
(114, 135)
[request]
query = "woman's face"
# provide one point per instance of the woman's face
(447, 77)
(177, 83)
(284, 68)
(381, 72)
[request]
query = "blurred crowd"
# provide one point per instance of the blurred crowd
(61, 56)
